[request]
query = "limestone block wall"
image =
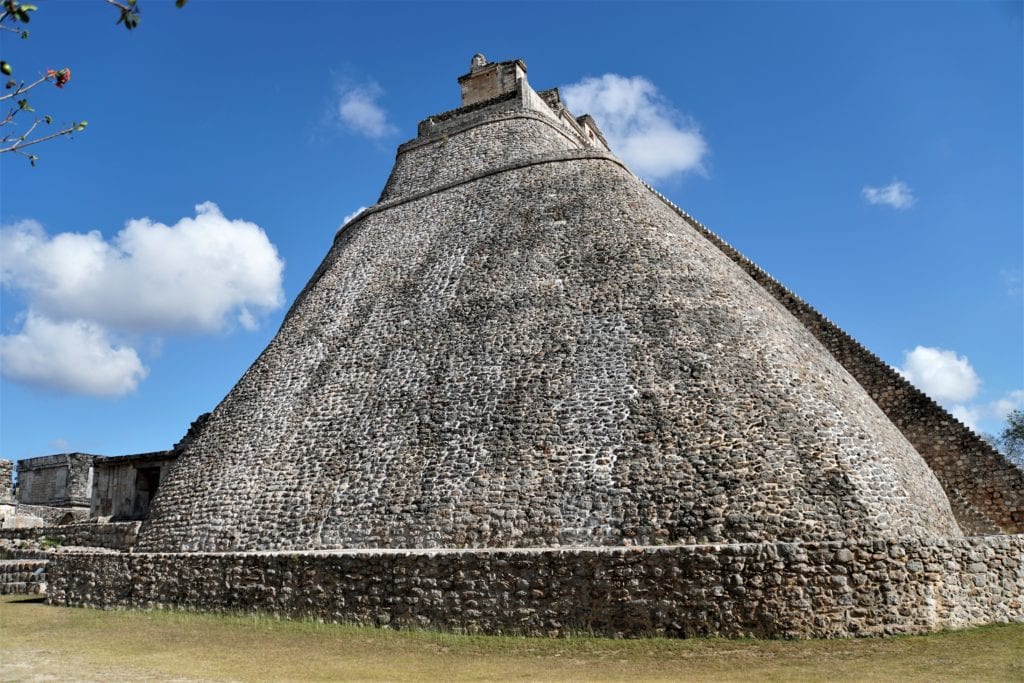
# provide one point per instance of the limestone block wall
(58, 480)
(488, 80)
(485, 141)
(547, 355)
(27, 516)
(521, 346)
(6, 482)
(774, 590)
(985, 490)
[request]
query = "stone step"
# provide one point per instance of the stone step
(22, 576)
(24, 554)
(973, 522)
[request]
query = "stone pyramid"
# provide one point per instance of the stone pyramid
(521, 344)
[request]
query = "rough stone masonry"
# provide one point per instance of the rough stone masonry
(522, 381)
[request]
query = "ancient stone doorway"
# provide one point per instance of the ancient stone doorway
(146, 481)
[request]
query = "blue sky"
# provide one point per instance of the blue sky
(868, 155)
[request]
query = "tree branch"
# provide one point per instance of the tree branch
(19, 146)
(123, 8)
(22, 88)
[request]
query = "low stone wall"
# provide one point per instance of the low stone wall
(775, 590)
(117, 535)
(28, 516)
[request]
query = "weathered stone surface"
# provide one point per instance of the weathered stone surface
(114, 535)
(6, 482)
(758, 589)
(124, 486)
(22, 576)
(28, 516)
(985, 489)
(522, 345)
(62, 480)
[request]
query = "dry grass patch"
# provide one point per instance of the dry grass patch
(42, 643)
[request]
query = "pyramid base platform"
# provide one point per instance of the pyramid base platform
(764, 590)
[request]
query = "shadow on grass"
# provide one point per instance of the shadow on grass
(28, 600)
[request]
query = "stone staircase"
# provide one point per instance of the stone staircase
(973, 522)
(23, 576)
(22, 567)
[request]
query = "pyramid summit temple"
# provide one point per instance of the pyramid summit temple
(526, 393)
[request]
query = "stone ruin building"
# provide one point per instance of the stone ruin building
(52, 489)
(526, 393)
(68, 488)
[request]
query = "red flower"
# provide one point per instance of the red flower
(59, 77)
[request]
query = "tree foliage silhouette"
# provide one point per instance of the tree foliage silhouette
(1011, 440)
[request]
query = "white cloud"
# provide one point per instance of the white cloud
(352, 215)
(950, 380)
(640, 126)
(199, 275)
(970, 416)
(991, 413)
(194, 275)
(1012, 279)
(941, 374)
(896, 194)
(1001, 408)
(359, 111)
(75, 357)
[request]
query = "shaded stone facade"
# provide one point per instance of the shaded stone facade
(124, 486)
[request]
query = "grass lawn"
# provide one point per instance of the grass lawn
(42, 643)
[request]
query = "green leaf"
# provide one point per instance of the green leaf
(22, 15)
(10, 84)
(6, 68)
(29, 8)
(24, 105)
(81, 126)
(180, 3)
(32, 159)
(24, 35)
(130, 18)
(48, 119)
